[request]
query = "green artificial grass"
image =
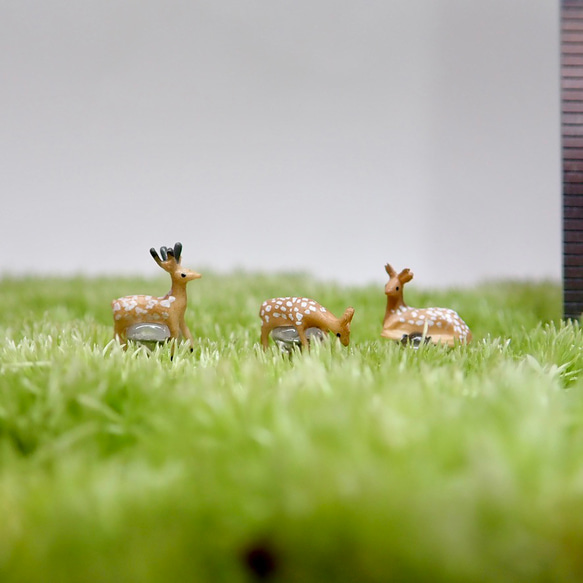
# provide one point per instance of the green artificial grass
(371, 463)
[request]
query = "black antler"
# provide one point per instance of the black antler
(166, 252)
(177, 251)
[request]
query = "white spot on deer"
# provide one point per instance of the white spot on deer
(296, 309)
(267, 318)
(298, 323)
(155, 316)
(290, 316)
(439, 324)
(322, 309)
(130, 306)
(118, 316)
(141, 311)
(283, 309)
(268, 308)
(304, 304)
(402, 320)
(299, 316)
(165, 315)
(276, 315)
(419, 323)
(288, 304)
(411, 322)
(116, 307)
(262, 313)
(430, 323)
(166, 303)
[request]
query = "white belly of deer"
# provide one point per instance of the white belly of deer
(142, 308)
(443, 318)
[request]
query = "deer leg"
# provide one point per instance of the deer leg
(174, 336)
(265, 330)
(302, 335)
(187, 334)
(119, 334)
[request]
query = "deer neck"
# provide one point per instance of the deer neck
(393, 304)
(178, 290)
(331, 322)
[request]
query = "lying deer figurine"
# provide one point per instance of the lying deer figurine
(165, 311)
(439, 325)
(302, 313)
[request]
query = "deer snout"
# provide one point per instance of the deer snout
(189, 275)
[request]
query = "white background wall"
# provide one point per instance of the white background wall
(327, 136)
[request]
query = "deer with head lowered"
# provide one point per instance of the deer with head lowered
(302, 314)
(167, 310)
(439, 325)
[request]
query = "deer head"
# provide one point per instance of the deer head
(397, 281)
(170, 263)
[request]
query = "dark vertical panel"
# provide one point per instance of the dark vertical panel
(572, 144)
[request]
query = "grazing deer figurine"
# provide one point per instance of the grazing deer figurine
(302, 313)
(167, 310)
(439, 325)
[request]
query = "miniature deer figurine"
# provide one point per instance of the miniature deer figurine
(168, 310)
(440, 325)
(302, 313)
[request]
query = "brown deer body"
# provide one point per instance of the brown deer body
(168, 309)
(302, 313)
(439, 325)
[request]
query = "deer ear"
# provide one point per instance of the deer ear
(405, 275)
(348, 314)
(391, 272)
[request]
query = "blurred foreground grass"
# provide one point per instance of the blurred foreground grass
(372, 463)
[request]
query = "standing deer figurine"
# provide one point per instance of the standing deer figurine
(165, 311)
(439, 325)
(302, 313)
